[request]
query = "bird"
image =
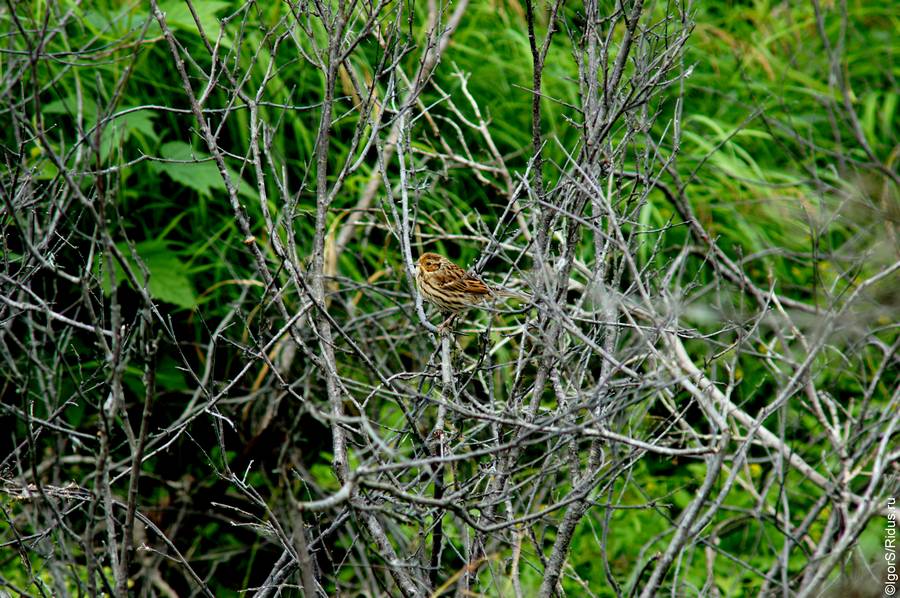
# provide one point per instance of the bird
(451, 289)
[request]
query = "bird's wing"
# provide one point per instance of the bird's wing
(460, 281)
(475, 285)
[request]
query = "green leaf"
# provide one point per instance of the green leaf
(139, 122)
(168, 277)
(169, 280)
(69, 105)
(201, 175)
(178, 16)
(888, 108)
(121, 129)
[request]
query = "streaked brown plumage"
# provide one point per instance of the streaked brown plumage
(450, 288)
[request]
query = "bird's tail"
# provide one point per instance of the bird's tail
(517, 295)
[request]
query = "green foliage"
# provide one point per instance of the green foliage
(169, 277)
(759, 69)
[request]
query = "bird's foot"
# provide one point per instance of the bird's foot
(446, 327)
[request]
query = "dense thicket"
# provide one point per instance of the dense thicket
(216, 373)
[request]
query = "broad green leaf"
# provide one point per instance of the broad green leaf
(169, 279)
(201, 175)
(178, 16)
(120, 130)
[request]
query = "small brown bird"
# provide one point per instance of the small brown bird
(452, 289)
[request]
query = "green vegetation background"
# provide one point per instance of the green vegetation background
(759, 70)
